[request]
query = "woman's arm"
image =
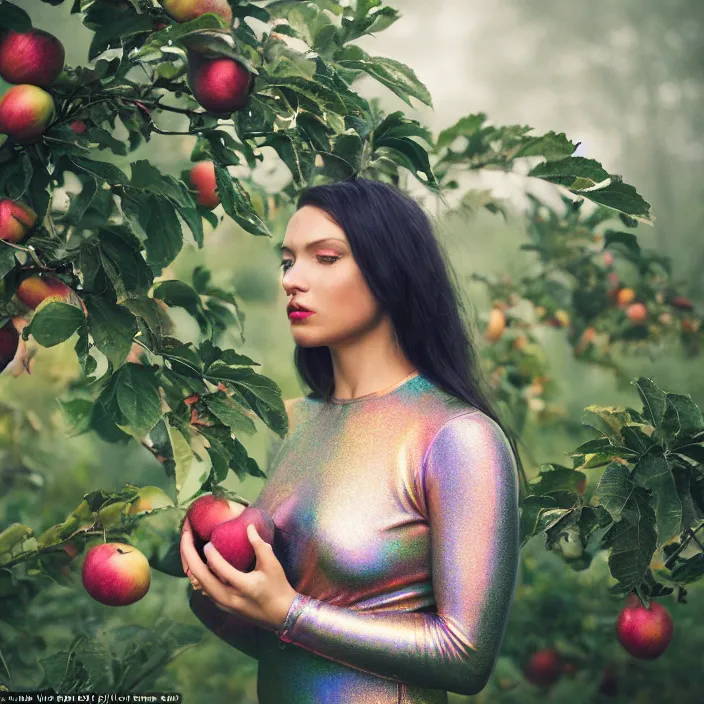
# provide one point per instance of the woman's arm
(471, 491)
(235, 631)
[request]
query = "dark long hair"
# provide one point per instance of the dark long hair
(405, 267)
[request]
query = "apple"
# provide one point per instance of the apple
(203, 180)
(230, 539)
(607, 258)
(78, 126)
(681, 302)
(35, 289)
(209, 511)
(644, 633)
(35, 57)
(497, 323)
(220, 85)
(562, 318)
(544, 667)
(116, 574)
(184, 10)
(637, 313)
(624, 296)
(25, 113)
(150, 497)
(16, 220)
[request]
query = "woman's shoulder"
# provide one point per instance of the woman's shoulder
(299, 409)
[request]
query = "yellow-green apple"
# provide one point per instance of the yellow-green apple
(544, 667)
(25, 113)
(16, 220)
(116, 574)
(230, 539)
(644, 633)
(202, 179)
(497, 323)
(149, 498)
(220, 85)
(184, 10)
(35, 57)
(209, 511)
(625, 296)
(637, 313)
(35, 289)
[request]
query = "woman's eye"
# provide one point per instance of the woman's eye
(326, 259)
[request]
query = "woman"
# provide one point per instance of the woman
(395, 492)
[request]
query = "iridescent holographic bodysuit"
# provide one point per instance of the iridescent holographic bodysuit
(396, 520)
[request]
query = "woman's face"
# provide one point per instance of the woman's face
(322, 276)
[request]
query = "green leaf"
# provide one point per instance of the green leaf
(682, 417)
(396, 76)
(614, 489)
(137, 396)
(690, 570)
(54, 322)
(575, 173)
(625, 242)
(81, 202)
(554, 478)
(77, 414)
(7, 260)
(654, 401)
(124, 264)
(261, 393)
(653, 473)
(14, 18)
(178, 293)
(101, 170)
(237, 204)
(112, 327)
(631, 542)
(230, 414)
(146, 177)
(164, 235)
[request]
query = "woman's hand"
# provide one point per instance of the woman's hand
(263, 595)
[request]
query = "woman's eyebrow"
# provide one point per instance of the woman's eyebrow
(283, 248)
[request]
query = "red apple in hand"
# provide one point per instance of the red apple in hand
(644, 633)
(544, 667)
(16, 220)
(209, 511)
(35, 57)
(220, 85)
(25, 113)
(184, 10)
(203, 181)
(231, 541)
(116, 574)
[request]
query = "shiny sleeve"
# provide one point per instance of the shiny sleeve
(233, 630)
(470, 486)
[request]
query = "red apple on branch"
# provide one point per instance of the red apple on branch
(35, 289)
(220, 85)
(116, 574)
(637, 313)
(544, 667)
(231, 541)
(184, 10)
(35, 57)
(16, 220)
(209, 511)
(25, 113)
(644, 633)
(202, 179)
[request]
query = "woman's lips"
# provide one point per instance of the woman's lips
(300, 314)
